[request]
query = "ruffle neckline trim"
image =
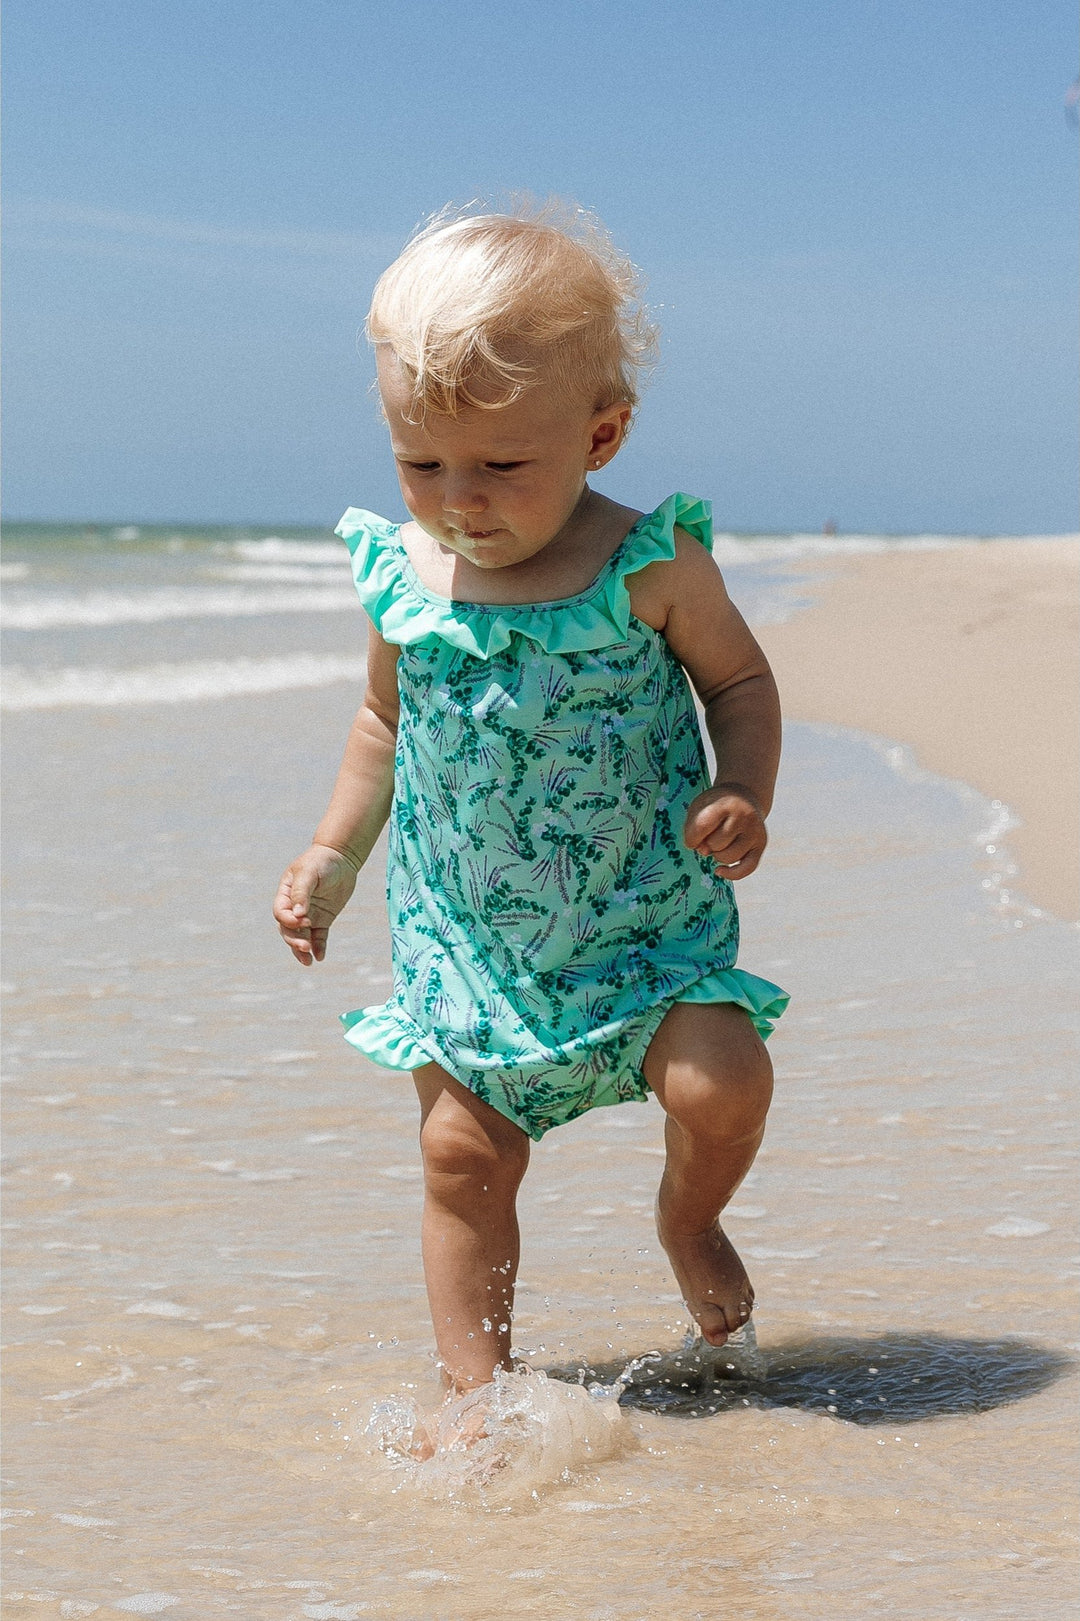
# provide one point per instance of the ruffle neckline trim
(388, 1036)
(404, 612)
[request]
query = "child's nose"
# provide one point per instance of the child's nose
(461, 500)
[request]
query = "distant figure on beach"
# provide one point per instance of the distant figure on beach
(829, 527)
(563, 923)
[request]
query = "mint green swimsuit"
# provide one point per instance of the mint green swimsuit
(545, 913)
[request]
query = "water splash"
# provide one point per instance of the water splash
(504, 1443)
(695, 1365)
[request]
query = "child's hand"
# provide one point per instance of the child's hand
(724, 824)
(312, 892)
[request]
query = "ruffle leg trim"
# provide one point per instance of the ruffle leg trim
(389, 1039)
(763, 1000)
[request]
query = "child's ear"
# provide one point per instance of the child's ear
(607, 432)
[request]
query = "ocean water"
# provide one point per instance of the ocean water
(215, 1324)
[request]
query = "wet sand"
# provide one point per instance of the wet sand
(971, 655)
(212, 1209)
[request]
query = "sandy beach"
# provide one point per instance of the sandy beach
(213, 1282)
(971, 655)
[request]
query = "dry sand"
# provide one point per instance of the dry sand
(970, 655)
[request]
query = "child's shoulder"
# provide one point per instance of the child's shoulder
(674, 561)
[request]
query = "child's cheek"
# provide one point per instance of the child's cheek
(414, 496)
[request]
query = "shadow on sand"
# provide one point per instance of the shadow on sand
(882, 1379)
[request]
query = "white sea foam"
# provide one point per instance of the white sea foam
(174, 683)
(995, 820)
(1018, 1227)
(181, 602)
(729, 548)
(274, 550)
(287, 573)
(158, 1308)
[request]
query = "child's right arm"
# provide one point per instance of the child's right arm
(317, 885)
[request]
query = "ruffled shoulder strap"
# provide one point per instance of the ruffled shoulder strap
(403, 611)
(399, 607)
(375, 554)
(652, 538)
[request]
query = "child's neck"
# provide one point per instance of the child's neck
(565, 567)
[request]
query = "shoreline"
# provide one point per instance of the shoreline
(969, 655)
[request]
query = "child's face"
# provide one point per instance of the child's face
(496, 486)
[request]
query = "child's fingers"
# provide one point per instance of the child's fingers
(723, 833)
(730, 842)
(294, 925)
(734, 852)
(713, 823)
(702, 824)
(306, 945)
(732, 847)
(292, 899)
(284, 900)
(741, 868)
(310, 890)
(298, 941)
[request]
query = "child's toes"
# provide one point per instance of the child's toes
(713, 1324)
(421, 1445)
(718, 1322)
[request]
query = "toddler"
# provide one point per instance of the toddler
(564, 929)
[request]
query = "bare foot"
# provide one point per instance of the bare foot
(421, 1445)
(713, 1280)
(454, 1434)
(457, 1425)
(463, 1420)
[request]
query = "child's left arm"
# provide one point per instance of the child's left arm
(686, 601)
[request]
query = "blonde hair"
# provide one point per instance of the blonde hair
(480, 307)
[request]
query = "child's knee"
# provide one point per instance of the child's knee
(725, 1100)
(458, 1153)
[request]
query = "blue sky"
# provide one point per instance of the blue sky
(857, 222)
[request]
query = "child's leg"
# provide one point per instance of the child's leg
(710, 1071)
(474, 1160)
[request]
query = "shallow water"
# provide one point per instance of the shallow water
(211, 1205)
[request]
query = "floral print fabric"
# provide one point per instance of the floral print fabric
(545, 913)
